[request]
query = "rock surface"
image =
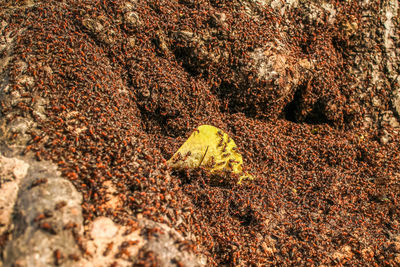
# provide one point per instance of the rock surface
(12, 172)
(168, 246)
(46, 204)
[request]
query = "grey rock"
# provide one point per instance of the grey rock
(19, 125)
(46, 203)
(392, 56)
(194, 46)
(39, 108)
(13, 126)
(169, 246)
(132, 19)
(108, 242)
(93, 25)
(376, 70)
(162, 42)
(279, 69)
(396, 101)
(218, 19)
(12, 171)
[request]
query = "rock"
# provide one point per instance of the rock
(396, 245)
(191, 48)
(314, 12)
(39, 108)
(391, 11)
(367, 253)
(114, 201)
(6, 47)
(218, 19)
(12, 171)
(169, 247)
(269, 246)
(110, 243)
(396, 101)
(275, 74)
(162, 42)
(130, 42)
(132, 19)
(93, 25)
(103, 228)
(344, 253)
(397, 258)
(279, 6)
(108, 37)
(19, 126)
(15, 125)
(102, 30)
(46, 204)
(369, 63)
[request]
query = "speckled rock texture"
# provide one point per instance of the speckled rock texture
(12, 172)
(46, 203)
(96, 96)
(167, 246)
(123, 245)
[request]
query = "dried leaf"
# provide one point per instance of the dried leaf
(212, 149)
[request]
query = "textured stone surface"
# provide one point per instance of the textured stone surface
(376, 70)
(12, 171)
(169, 247)
(108, 243)
(46, 204)
(16, 124)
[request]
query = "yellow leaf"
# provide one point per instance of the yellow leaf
(212, 149)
